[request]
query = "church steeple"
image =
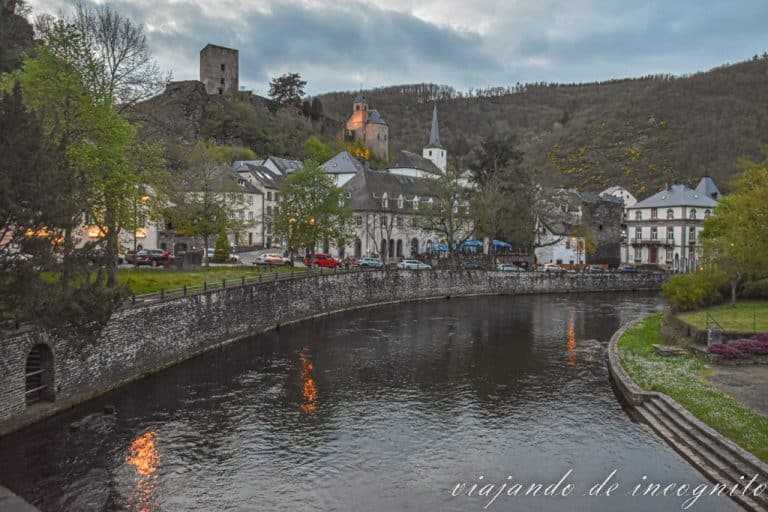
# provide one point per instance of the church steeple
(434, 133)
(433, 150)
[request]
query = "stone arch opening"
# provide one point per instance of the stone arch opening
(39, 382)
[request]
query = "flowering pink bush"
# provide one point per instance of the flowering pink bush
(753, 346)
(728, 351)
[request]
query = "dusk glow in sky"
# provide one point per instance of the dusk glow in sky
(341, 44)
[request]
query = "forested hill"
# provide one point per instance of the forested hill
(639, 133)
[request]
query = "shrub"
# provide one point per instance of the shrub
(221, 251)
(752, 346)
(728, 351)
(696, 290)
(755, 289)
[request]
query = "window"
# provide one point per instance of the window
(400, 222)
(638, 215)
(638, 253)
(222, 81)
(430, 152)
(670, 214)
(706, 213)
(692, 215)
(670, 234)
(384, 200)
(669, 256)
(223, 67)
(276, 196)
(568, 245)
(638, 234)
(275, 210)
(692, 235)
(383, 221)
(400, 201)
(269, 210)
(358, 221)
(221, 91)
(250, 215)
(269, 196)
(654, 213)
(241, 215)
(654, 234)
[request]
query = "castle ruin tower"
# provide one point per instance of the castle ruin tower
(433, 150)
(359, 117)
(219, 70)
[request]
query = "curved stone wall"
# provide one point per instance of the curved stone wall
(149, 337)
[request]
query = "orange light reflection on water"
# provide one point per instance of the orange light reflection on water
(145, 459)
(571, 344)
(308, 389)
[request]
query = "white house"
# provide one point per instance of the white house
(665, 228)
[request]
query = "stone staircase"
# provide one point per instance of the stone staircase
(721, 461)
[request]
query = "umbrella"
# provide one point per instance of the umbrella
(472, 243)
(499, 243)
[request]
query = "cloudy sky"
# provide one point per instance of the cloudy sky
(341, 44)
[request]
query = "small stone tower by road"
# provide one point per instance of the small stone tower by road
(219, 70)
(433, 150)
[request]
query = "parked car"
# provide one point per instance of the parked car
(551, 267)
(271, 258)
(628, 269)
(508, 267)
(98, 256)
(153, 257)
(322, 260)
(595, 268)
(14, 254)
(471, 265)
(413, 265)
(233, 258)
(371, 263)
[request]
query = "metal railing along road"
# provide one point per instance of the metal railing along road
(220, 284)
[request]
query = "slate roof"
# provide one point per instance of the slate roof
(242, 165)
(434, 132)
(707, 187)
(266, 176)
(342, 163)
(676, 195)
(367, 187)
(360, 98)
(375, 117)
(285, 165)
(409, 160)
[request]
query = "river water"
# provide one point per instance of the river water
(383, 409)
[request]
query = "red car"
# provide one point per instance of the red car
(322, 260)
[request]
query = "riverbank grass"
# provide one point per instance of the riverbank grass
(149, 280)
(744, 317)
(682, 378)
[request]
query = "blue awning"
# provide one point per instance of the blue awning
(499, 243)
(472, 243)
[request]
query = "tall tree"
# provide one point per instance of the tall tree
(205, 197)
(496, 155)
(446, 212)
(287, 89)
(735, 236)
(16, 34)
(127, 71)
(312, 209)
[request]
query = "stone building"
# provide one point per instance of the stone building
(368, 127)
(665, 228)
(219, 70)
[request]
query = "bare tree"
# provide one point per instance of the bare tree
(128, 72)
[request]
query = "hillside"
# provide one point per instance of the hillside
(639, 133)
(185, 113)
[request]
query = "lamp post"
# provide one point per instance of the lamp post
(312, 221)
(291, 222)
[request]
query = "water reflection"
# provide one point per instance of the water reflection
(308, 388)
(404, 401)
(145, 459)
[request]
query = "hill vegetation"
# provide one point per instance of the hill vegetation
(639, 133)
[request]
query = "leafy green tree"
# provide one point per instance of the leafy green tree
(312, 209)
(287, 89)
(16, 35)
(318, 150)
(221, 252)
(735, 236)
(205, 198)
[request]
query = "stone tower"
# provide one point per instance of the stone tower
(433, 150)
(219, 70)
(369, 127)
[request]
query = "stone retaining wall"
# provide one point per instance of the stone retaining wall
(149, 337)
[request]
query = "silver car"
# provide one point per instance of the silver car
(508, 267)
(413, 265)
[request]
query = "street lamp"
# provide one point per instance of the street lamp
(291, 222)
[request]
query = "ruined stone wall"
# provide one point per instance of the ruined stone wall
(144, 339)
(219, 70)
